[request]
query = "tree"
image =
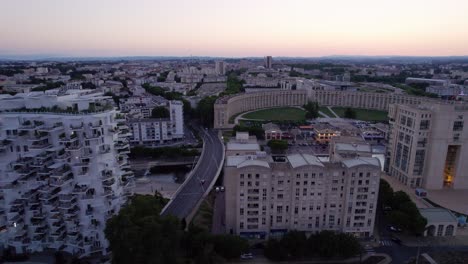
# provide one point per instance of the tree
(274, 250)
(296, 243)
(160, 112)
(350, 113)
(348, 245)
(229, 246)
(256, 131)
(312, 109)
(138, 234)
(385, 193)
(205, 110)
(278, 146)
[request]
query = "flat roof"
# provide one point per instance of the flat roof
(353, 147)
(242, 146)
(361, 161)
(298, 160)
(438, 215)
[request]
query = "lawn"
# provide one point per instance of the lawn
(364, 114)
(326, 111)
(277, 114)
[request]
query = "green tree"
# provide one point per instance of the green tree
(229, 246)
(348, 245)
(160, 112)
(274, 250)
(312, 109)
(278, 146)
(385, 193)
(295, 243)
(205, 110)
(138, 234)
(350, 113)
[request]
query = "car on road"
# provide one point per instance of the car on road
(246, 256)
(202, 182)
(395, 229)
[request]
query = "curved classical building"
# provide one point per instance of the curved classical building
(229, 106)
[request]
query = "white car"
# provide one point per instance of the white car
(247, 256)
(217, 189)
(222, 188)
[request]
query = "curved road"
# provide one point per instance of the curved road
(205, 173)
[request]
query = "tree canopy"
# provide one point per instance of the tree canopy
(326, 244)
(312, 109)
(139, 234)
(160, 112)
(278, 146)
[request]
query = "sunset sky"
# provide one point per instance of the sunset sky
(233, 28)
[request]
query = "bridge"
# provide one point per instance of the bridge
(200, 180)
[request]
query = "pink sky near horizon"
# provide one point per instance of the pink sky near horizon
(234, 28)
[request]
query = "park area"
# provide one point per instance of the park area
(277, 114)
(363, 114)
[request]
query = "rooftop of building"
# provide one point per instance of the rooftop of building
(363, 147)
(438, 215)
(295, 161)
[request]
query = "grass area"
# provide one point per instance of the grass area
(277, 114)
(204, 216)
(364, 114)
(326, 111)
(227, 135)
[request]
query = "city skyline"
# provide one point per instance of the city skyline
(233, 29)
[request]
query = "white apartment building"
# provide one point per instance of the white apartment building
(141, 106)
(428, 145)
(63, 171)
(156, 131)
(269, 195)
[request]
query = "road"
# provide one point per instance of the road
(200, 179)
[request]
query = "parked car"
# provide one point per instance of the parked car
(247, 256)
(222, 188)
(217, 189)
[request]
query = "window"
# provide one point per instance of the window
(279, 209)
(242, 211)
(279, 219)
(458, 126)
(424, 125)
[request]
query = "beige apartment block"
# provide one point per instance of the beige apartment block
(428, 145)
(268, 195)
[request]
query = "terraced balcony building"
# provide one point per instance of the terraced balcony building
(63, 171)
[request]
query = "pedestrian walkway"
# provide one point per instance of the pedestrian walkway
(324, 115)
(333, 112)
(386, 242)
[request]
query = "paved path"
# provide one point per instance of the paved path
(333, 112)
(200, 179)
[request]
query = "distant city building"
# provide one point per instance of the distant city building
(269, 195)
(220, 67)
(63, 171)
(428, 145)
(156, 131)
(268, 63)
(436, 82)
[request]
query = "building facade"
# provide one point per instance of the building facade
(271, 195)
(63, 172)
(427, 145)
(229, 106)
